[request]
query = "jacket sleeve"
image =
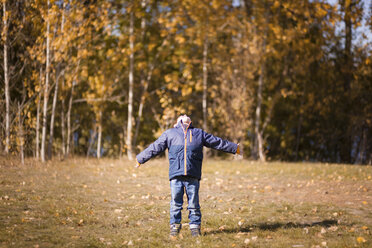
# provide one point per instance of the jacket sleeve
(217, 143)
(153, 150)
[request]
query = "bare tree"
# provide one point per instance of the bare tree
(46, 87)
(205, 82)
(6, 79)
(130, 91)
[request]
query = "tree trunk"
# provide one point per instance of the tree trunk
(130, 91)
(144, 82)
(46, 89)
(37, 148)
(99, 140)
(63, 129)
(74, 82)
(69, 120)
(258, 131)
(205, 82)
(91, 140)
(20, 134)
(51, 133)
(142, 102)
(363, 145)
(346, 139)
(6, 79)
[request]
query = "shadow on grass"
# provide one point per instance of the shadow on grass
(273, 226)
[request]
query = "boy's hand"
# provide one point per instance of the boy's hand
(137, 164)
(238, 150)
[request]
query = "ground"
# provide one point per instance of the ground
(109, 203)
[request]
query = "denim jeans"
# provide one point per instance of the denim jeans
(178, 185)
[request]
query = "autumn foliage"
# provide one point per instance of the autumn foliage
(289, 80)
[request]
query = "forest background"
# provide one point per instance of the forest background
(289, 80)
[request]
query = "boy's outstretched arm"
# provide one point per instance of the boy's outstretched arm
(217, 143)
(152, 150)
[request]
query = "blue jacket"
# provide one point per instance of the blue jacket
(185, 146)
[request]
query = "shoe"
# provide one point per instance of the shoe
(175, 229)
(195, 232)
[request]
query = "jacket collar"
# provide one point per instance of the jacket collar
(183, 127)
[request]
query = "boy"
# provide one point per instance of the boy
(185, 145)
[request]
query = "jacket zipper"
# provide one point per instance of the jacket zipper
(190, 136)
(185, 158)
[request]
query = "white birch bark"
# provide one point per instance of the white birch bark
(258, 131)
(63, 129)
(51, 130)
(130, 91)
(205, 82)
(99, 136)
(37, 143)
(6, 79)
(46, 89)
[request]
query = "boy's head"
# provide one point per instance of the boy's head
(184, 119)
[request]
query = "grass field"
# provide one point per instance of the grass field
(109, 203)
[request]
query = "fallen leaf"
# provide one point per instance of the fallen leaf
(333, 228)
(361, 240)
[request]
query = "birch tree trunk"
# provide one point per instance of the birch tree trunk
(69, 120)
(6, 79)
(205, 82)
(130, 91)
(63, 129)
(37, 148)
(99, 140)
(46, 89)
(51, 133)
(99, 135)
(68, 145)
(144, 83)
(257, 129)
(346, 139)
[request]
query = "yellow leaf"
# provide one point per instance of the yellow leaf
(361, 240)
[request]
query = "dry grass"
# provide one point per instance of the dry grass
(108, 203)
